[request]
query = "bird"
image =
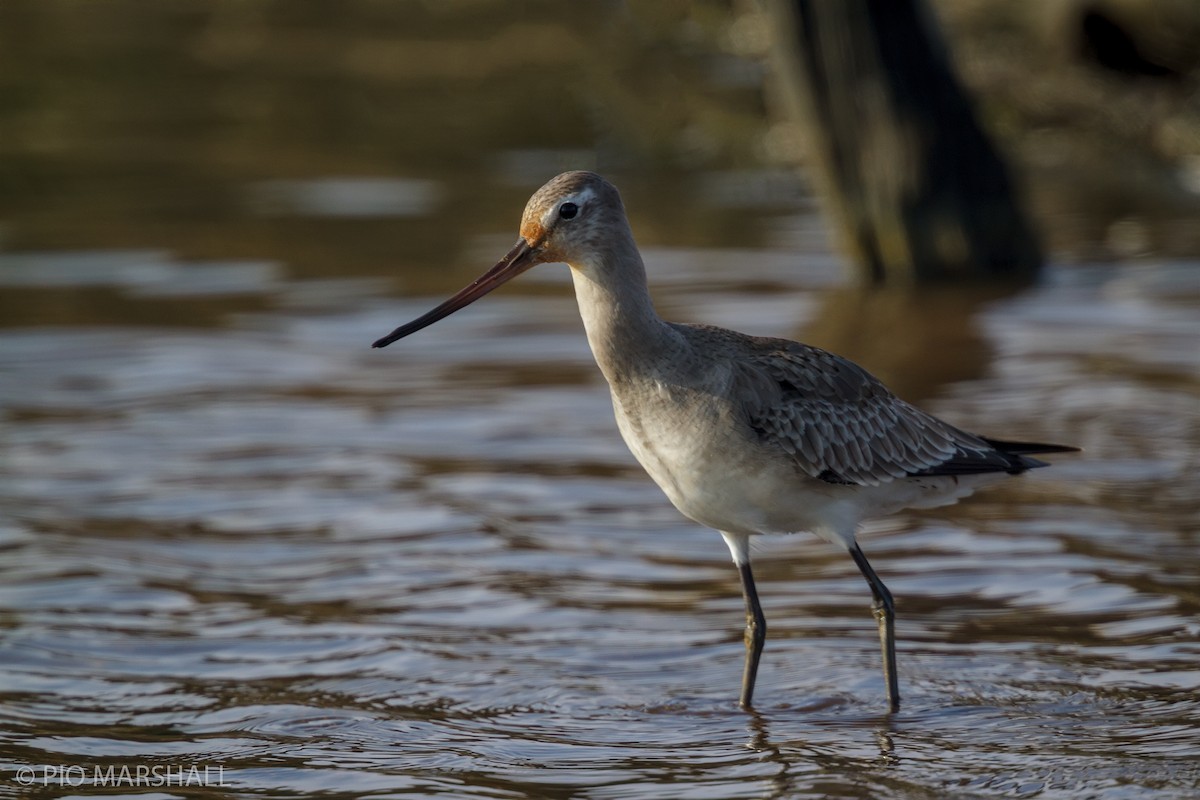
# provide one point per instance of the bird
(746, 435)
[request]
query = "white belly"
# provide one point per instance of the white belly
(717, 475)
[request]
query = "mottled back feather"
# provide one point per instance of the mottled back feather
(839, 424)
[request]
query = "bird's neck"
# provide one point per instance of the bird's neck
(625, 332)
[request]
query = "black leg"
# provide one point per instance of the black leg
(756, 634)
(885, 614)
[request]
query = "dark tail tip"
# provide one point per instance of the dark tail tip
(1018, 453)
(1028, 448)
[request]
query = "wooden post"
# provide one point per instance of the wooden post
(906, 173)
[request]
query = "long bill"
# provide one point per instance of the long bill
(519, 259)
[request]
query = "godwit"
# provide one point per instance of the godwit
(746, 435)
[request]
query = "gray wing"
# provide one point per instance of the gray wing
(841, 425)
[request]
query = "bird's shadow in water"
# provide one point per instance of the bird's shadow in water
(786, 755)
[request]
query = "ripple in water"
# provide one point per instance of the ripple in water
(440, 572)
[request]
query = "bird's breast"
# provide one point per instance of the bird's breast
(704, 458)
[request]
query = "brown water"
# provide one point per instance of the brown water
(237, 539)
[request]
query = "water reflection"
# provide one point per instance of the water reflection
(268, 548)
(346, 197)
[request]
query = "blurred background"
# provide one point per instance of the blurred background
(233, 535)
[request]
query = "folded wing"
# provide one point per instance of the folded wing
(841, 425)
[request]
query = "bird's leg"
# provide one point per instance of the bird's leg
(756, 633)
(884, 610)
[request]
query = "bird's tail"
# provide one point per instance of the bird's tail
(1021, 450)
(1028, 448)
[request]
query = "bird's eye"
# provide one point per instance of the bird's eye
(568, 210)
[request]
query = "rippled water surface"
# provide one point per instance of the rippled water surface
(435, 569)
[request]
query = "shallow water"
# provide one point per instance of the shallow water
(435, 570)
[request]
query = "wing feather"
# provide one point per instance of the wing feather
(839, 423)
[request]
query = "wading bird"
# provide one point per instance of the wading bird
(745, 434)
